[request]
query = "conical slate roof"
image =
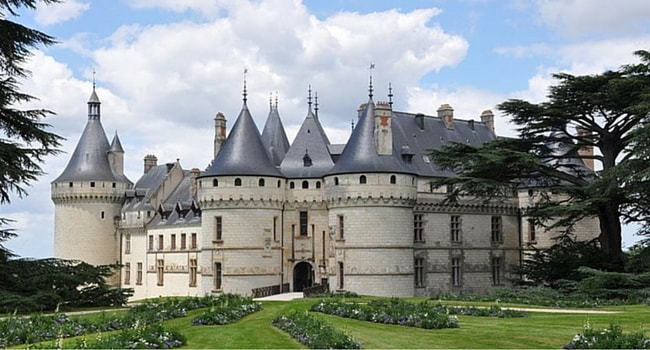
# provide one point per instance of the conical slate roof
(360, 154)
(89, 161)
(274, 138)
(311, 142)
(116, 144)
(243, 152)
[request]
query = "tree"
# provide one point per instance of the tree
(604, 112)
(24, 139)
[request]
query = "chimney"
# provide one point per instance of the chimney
(194, 173)
(383, 129)
(446, 113)
(586, 150)
(150, 161)
(219, 132)
(487, 117)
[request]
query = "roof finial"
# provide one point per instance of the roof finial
(372, 66)
(276, 99)
(270, 100)
(93, 78)
(352, 124)
(309, 97)
(316, 102)
(390, 95)
(245, 94)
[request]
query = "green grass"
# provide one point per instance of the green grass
(538, 330)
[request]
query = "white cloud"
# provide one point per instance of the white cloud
(60, 12)
(204, 7)
(580, 18)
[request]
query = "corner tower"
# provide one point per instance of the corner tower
(88, 195)
(241, 196)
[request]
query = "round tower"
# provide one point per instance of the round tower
(241, 196)
(371, 194)
(88, 195)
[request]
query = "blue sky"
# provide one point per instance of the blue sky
(164, 68)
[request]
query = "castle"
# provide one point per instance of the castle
(270, 215)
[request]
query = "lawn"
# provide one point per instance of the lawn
(538, 330)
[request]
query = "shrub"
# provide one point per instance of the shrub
(609, 338)
(314, 333)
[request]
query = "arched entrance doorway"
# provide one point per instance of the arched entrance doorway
(303, 276)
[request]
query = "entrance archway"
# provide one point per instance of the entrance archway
(303, 276)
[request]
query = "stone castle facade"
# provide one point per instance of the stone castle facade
(360, 216)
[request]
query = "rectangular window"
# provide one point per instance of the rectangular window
(456, 272)
(193, 269)
(454, 228)
(497, 228)
(218, 275)
(218, 228)
(275, 228)
(193, 242)
(341, 275)
(138, 276)
(160, 271)
(173, 238)
(341, 226)
(161, 242)
(127, 273)
(418, 228)
(532, 235)
(150, 242)
(183, 241)
(127, 244)
(496, 270)
(419, 272)
(303, 223)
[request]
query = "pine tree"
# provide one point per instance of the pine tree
(606, 112)
(24, 138)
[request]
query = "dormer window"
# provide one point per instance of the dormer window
(306, 159)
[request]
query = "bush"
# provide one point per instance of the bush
(609, 338)
(314, 333)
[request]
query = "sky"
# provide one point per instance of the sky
(164, 68)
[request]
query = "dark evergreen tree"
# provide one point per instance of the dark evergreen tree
(24, 138)
(605, 112)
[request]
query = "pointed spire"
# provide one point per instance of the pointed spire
(245, 94)
(372, 66)
(309, 97)
(390, 95)
(116, 144)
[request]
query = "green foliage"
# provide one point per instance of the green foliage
(314, 333)
(229, 309)
(46, 284)
(607, 112)
(608, 338)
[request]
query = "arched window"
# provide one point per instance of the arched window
(393, 179)
(362, 179)
(317, 184)
(237, 182)
(261, 183)
(215, 183)
(305, 184)
(336, 181)
(279, 183)
(292, 185)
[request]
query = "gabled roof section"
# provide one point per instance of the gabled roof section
(89, 160)
(243, 152)
(274, 137)
(360, 154)
(308, 156)
(421, 133)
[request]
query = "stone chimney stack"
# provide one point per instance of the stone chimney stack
(446, 113)
(487, 117)
(194, 173)
(150, 161)
(219, 132)
(586, 151)
(383, 129)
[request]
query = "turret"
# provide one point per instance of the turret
(116, 156)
